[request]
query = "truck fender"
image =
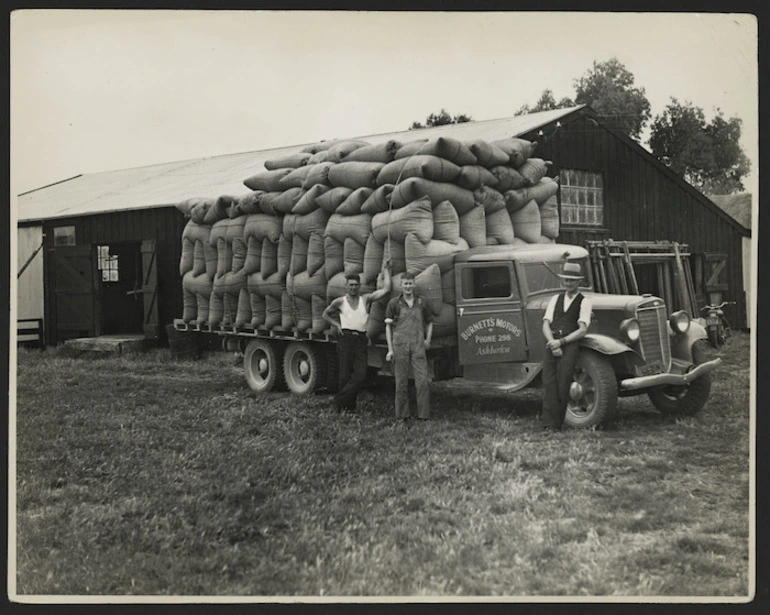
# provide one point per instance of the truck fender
(603, 344)
(681, 343)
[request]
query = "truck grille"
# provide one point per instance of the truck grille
(653, 340)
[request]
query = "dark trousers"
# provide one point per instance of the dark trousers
(352, 357)
(557, 377)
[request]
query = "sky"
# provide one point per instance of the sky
(98, 90)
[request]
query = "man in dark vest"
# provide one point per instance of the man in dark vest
(565, 322)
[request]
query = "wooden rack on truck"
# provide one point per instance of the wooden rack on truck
(615, 264)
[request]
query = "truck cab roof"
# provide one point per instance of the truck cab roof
(530, 253)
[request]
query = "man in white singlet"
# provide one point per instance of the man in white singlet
(352, 311)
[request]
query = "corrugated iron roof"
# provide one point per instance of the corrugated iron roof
(738, 206)
(162, 185)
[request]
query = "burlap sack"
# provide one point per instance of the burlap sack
(543, 190)
(332, 199)
(549, 217)
(257, 310)
(273, 312)
(544, 239)
(305, 285)
(253, 260)
(236, 242)
(373, 252)
(284, 255)
(341, 227)
(414, 188)
(419, 255)
(508, 178)
(296, 178)
(375, 324)
(410, 148)
(449, 149)
(264, 286)
(490, 199)
(448, 287)
(298, 261)
(381, 152)
(315, 253)
(289, 161)
(379, 200)
(321, 146)
(197, 292)
(340, 151)
(269, 258)
(249, 203)
(499, 227)
(280, 203)
(218, 241)
(355, 174)
(187, 205)
(314, 222)
(191, 234)
(533, 170)
(319, 157)
(518, 150)
(333, 257)
(445, 324)
(487, 154)
(526, 222)
(289, 312)
(352, 256)
(446, 222)
(416, 217)
(335, 287)
(473, 227)
(308, 201)
(318, 174)
(268, 181)
(263, 226)
(351, 206)
(516, 199)
(421, 165)
(218, 210)
(473, 177)
(317, 306)
(199, 210)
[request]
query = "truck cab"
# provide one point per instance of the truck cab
(633, 344)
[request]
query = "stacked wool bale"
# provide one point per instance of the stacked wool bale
(282, 251)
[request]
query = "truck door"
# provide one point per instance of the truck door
(490, 319)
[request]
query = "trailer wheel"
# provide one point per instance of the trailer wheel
(593, 392)
(689, 399)
(263, 366)
(304, 366)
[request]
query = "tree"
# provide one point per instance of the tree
(546, 102)
(707, 154)
(608, 88)
(440, 119)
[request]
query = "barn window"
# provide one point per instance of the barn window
(108, 264)
(582, 198)
(63, 236)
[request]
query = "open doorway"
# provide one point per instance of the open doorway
(120, 287)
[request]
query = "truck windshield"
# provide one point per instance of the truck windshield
(543, 276)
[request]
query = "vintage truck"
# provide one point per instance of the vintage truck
(633, 345)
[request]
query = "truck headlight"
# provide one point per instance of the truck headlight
(679, 321)
(630, 329)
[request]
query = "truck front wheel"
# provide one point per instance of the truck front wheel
(263, 366)
(685, 400)
(593, 395)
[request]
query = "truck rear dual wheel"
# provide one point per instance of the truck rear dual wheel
(685, 400)
(593, 393)
(263, 366)
(305, 367)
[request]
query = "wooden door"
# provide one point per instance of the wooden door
(74, 284)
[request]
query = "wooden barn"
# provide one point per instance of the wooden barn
(101, 251)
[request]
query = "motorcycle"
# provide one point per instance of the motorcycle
(717, 325)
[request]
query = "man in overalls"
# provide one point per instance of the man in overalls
(565, 322)
(353, 312)
(408, 330)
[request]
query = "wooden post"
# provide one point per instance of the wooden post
(613, 275)
(669, 297)
(682, 281)
(634, 286)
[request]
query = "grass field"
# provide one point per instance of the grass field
(145, 475)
